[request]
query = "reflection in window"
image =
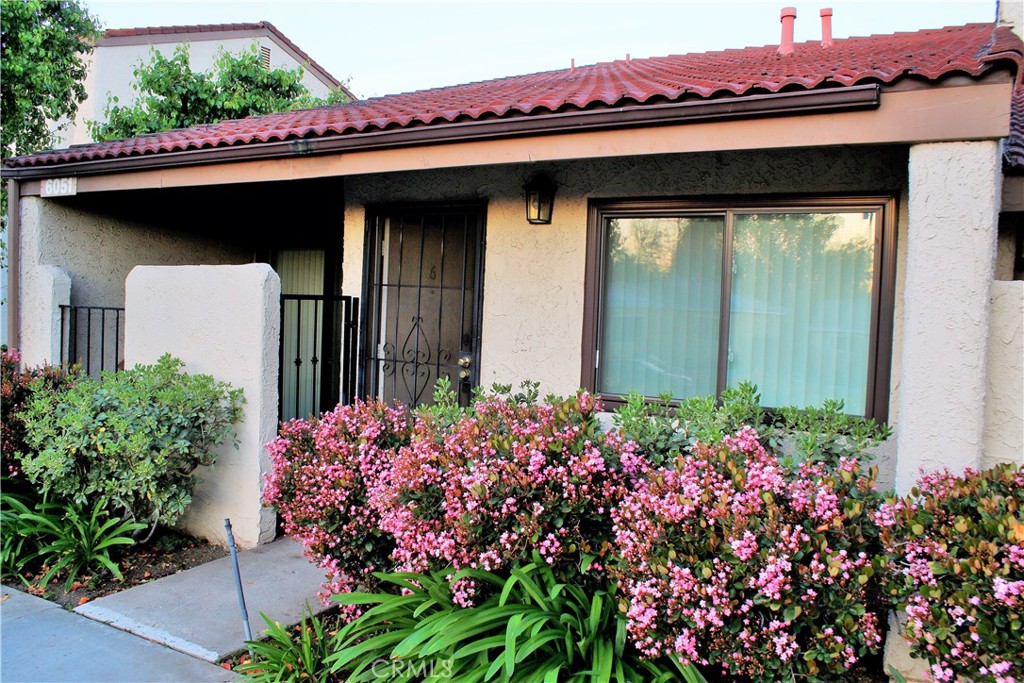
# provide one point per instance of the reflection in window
(662, 305)
(800, 311)
(799, 304)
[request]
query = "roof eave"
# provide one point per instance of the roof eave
(748, 106)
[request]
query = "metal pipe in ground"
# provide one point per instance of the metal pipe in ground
(238, 581)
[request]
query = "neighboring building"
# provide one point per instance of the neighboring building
(829, 219)
(112, 63)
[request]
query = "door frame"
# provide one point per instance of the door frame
(373, 267)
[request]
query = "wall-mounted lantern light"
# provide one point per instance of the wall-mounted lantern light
(540, 200)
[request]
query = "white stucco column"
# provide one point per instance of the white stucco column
(222, 321)
(951, 242)
(954, 193)
(44, 290)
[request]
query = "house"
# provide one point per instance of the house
(836, 218)
(110, 66)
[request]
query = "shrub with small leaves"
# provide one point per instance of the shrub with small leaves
(16, 390)
(663, 429)
(322, 473)
(732, 560)
(130, 441)
(513, 477)
(956, 555)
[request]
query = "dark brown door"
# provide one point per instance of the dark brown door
(423, 301)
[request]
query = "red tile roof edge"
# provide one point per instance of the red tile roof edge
(244, 26)
(932, 55)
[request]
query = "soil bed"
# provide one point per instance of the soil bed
(168, 552)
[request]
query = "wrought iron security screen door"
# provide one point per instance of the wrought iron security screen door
(423, 308)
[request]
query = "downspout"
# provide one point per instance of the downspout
(13, 263)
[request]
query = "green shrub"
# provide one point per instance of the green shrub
(284, 656)
(16, 390)
(76, 539)
(534, 627)
(826, 434)
(131, 441)
(956, 564)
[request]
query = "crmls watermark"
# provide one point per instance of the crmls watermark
(388, 669)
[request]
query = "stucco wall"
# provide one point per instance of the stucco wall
(47, 288)
(533, 282)
(234, 337)
(1004, 398)
(534, 274)
(954, 203)
(98, 250)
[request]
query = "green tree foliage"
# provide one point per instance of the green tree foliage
(43, 44)
(171, 95)
(42, 49)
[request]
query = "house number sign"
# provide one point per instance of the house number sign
(59, 187)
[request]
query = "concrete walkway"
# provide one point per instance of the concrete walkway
(195, 612)
(39, 641)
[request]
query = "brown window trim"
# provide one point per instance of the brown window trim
(883, 289)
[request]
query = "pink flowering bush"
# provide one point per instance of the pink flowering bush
(956, 555)
(509, 478)
(734, 560)
(323, 474)
(370, 488)
(17, 387)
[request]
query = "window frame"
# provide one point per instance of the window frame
(882, 292)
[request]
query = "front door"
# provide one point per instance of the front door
(423, 301)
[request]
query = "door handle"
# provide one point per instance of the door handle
(465, 361)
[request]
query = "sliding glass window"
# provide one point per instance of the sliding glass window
(794, 296)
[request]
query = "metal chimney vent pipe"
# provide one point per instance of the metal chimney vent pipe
(788, 19)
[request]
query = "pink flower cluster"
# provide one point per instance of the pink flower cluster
(506, 481)
(956, 565)
(323, 473)
(731, 559)
(364, 491)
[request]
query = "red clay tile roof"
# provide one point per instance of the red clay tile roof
(212, 28)
(931, 54)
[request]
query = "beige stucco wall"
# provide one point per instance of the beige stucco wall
(534, 274)
(234, 337)
(46, 288)
(955, 192)
(1004, 398)
(98, 249)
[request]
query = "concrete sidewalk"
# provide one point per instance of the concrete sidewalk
(197, 611)
(39, 641)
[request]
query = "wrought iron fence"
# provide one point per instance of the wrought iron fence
(318, 353)
(92, 337)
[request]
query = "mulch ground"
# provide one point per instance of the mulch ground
(168, 552)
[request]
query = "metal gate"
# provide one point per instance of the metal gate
(318, 353)
(92, 337)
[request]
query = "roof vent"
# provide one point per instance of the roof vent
(826, 27)
(788, 19)
(265, 57)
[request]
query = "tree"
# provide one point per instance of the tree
(171, 95)
(43, 44)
